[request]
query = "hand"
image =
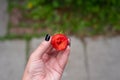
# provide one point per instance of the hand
(45, 63)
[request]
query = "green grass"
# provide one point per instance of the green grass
(77, 19)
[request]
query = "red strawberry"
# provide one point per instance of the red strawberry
(59, 41)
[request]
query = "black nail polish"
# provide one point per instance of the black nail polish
(47, 37)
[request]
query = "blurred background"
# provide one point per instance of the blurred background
(92, 25)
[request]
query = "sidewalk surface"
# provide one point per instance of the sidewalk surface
(12, 59)
(96, 59)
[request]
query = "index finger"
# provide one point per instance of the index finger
(43, 47)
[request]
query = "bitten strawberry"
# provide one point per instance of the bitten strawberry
(59, 41)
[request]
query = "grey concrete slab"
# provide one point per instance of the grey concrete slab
(3, 17)
(104, 58)
(12, 59)
(75, 69)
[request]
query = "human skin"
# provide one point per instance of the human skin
(45, 63)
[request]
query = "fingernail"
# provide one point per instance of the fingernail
(47, 37)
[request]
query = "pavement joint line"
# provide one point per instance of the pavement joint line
(27, 49)
(86, 59)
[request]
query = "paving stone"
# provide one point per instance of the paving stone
(104, 58)
(75, 69)
(12, 59)
(3, 17)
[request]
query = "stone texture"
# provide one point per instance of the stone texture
(75, 69)
(3, 17)
(12, 59)
(104, 58)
